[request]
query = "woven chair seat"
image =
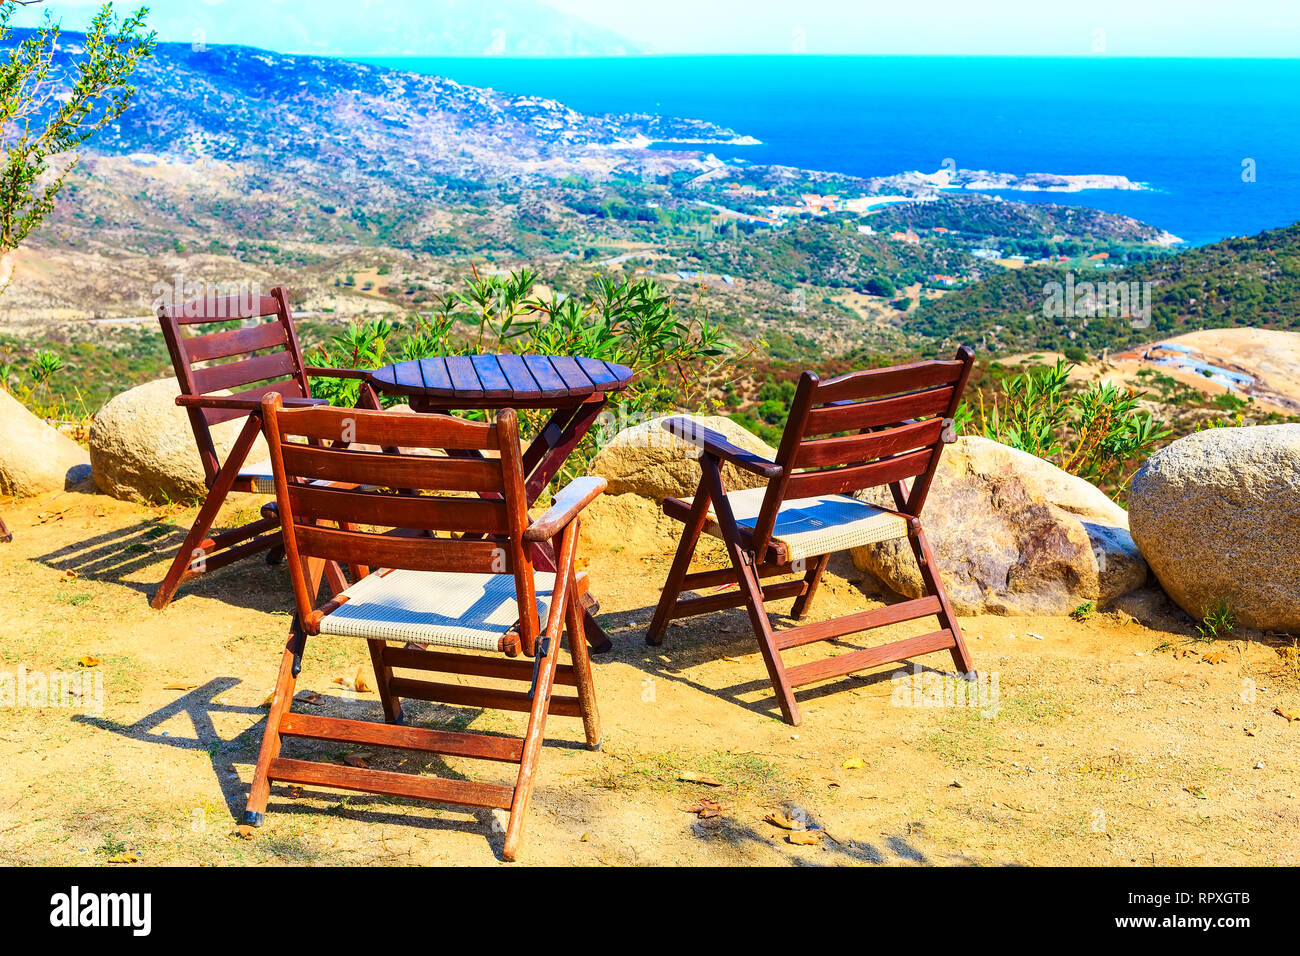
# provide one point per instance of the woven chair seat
(259, 473)
(811, 527)
(445, 608)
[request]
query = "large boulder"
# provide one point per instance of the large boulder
(1217, 516)
(142, 446)
(1012, 534)
(36, 459)
(649, 461)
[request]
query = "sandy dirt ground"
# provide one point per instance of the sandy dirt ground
(1117, 740)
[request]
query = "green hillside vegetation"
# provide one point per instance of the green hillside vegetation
(1245, 281)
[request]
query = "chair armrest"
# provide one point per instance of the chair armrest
(715, 443)
(249, 404)
(575, 496)
(317, 371)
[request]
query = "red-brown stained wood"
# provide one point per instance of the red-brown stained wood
(855, 416)
(326, 527)
(838, 481)
(438, 789)
(395, 471)
(899, 416)
(845, 450)
(365, 733)
(424, 512)
(204, 348)
(235, 375)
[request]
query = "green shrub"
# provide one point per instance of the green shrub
(1096, 433)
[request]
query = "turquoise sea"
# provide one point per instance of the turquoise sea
(1194, 130)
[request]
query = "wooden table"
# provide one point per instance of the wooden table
(574, 388)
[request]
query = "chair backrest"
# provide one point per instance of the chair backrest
(895, 419)
(398, 494)
(251, 360)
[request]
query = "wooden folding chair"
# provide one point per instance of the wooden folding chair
(477, 594)
(885, 426)
(258, 360)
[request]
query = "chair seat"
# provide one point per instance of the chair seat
(259, 473)
(811, 527)
(446, 608)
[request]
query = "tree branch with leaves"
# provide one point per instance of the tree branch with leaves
(51, 104)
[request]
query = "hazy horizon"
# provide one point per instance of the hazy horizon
(1199, 29)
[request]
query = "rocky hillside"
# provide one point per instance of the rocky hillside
(1244, 281)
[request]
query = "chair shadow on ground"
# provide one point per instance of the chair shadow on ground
(697, 641)
(202, 702)
(114, 556)
(841, 847)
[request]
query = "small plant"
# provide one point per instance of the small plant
(1095, 433)
(1084, 611)
(1218, 621)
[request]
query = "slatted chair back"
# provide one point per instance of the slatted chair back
(400, 491)
(259, 356)
(866, 429)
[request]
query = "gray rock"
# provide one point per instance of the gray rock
(648, 461)
(142, 447)
(1217, 516)
(35, 459)
(1012, 534)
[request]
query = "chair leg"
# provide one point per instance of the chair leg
(581, 657)
(281, 701)
(752, 589)
(383, 677)
(532, 746)
(934, 584)
(191, 547)
(813, 578)
(699, 513)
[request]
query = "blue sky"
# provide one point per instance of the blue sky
(960, 27)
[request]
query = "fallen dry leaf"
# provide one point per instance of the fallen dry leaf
(803, 838)
(783, 820)
(1250, 731)
(295, 792)
(705, 809)
(179, 686)
(1214, 657)
(88, 661)
(127, 857)
(243, 831)
(308, 697)
(359, 682)
(690, 776)
(853, 763)
(270, 699)
(359, 759)
(1290, 713)
(69, 575)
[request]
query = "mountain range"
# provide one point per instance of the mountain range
(372, 27)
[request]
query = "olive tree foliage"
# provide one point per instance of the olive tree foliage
(50, 104)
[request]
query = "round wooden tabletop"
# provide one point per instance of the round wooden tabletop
(501, 378)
